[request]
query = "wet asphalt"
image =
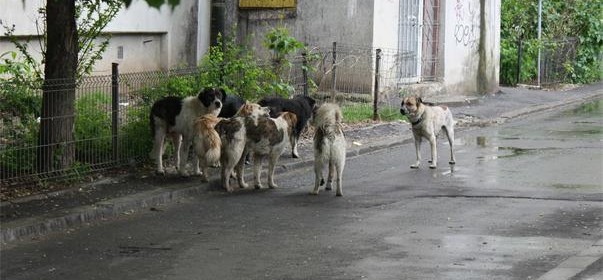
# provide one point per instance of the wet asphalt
(525, 198)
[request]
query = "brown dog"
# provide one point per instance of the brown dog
(206, 143)
(427, 121)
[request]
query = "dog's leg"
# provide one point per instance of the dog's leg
(225, 177)
(196, 163)
(257, 170)
(204, 169)
(239, 169)
(434, 152)
(339, 174)
(318, 180)
(271, 165)
(177, 142)
(293, 141)
(157, 152)
(418, 140)
(450, 135)
(184, 146)
(329, 185)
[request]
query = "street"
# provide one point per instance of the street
(523, 197)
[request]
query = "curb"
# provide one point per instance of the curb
(39, 226)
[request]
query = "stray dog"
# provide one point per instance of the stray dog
(232, 104)
(301, 106)
(329, 146)
(174, 117)
(427, 121)
(233, 138)
(267, 137)
(207, 144)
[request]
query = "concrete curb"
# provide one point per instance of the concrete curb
(38, 226)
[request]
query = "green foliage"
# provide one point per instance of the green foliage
(236, 69)
(93, 126)
(282, 45)
(561, 19)
(361, 112)
(136, 132)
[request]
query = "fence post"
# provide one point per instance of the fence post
(376, 90)
(334, 73)
(519, 54)
(305, 71)
(114, 109)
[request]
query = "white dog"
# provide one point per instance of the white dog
(174, 116)
(427, 121)
(329, 146)
(267, 137)
(233, 137)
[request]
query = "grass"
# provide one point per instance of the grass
(354, 113)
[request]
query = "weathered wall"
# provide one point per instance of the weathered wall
(152, 39)
(471, 51)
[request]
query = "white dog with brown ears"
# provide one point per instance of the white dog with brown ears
(329, 147)
(233, 136)
(427, 121)
(268, 137)
(206, 143)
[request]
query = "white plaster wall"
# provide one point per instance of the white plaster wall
(152, 38)
(385, 28)
(462, 31)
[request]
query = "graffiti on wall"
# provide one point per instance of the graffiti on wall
(466, 30)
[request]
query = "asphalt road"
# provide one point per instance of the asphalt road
(523, 197)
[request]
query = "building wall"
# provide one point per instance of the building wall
(151, 39)
(463, 51)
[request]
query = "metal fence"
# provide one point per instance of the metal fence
(111, 122)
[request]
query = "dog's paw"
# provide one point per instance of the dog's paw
(273, 186)
(433, 166)
(313, 193)
(294, 155)
(160, 172)
(258, 186)
(339, 194)
(204, 178)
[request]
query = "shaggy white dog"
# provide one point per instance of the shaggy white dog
(329, 146)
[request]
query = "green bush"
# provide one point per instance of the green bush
(560, 20)
(93, 127)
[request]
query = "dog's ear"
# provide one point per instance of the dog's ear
(222, 94)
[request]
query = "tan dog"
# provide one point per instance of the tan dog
(233, 137)
(329, 146)
(427, 121)
(206, 143)
(267, 137)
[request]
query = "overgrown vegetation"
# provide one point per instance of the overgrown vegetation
(561, 21)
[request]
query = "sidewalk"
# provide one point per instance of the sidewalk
(124, 194)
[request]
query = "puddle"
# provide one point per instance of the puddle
(594, 108)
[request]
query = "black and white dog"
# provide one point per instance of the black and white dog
(174, 117)
(301, 106)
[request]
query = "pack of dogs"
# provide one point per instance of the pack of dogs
(225, 130)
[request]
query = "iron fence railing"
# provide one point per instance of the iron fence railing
(111, 123)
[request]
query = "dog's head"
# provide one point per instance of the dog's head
(253, 110)
(410, 105)
(212, 98)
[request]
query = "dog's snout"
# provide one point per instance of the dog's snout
(218, 104)
(402, 111)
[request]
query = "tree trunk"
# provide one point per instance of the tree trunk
(56, 139)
